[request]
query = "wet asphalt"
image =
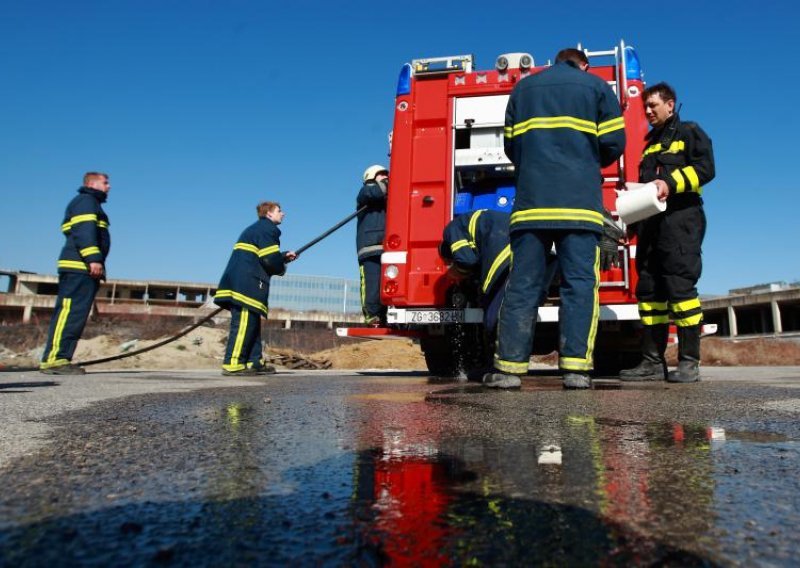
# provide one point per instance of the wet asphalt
(375, 468)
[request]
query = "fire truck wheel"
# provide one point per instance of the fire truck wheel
(459, 350)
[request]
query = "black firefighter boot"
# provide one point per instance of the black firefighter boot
(688, 370)
(653, 365)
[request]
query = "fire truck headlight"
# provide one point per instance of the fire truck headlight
(391, 271)
(525, 62)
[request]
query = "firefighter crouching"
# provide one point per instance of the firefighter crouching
(561, 126)
(679, 159)
(477, 244)
(369, 241)
(81, 267)
(244, 290)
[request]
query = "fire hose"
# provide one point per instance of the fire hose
(195, 325)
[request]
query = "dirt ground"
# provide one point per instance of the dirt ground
(204, 347)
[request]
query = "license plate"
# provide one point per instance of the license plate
(435, 316)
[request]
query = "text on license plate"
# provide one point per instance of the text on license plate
(436, 316)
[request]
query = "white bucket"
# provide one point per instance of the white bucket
(639, 202)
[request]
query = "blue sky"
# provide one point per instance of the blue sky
(201, 109)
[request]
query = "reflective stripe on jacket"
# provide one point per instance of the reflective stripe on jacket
(562, 124)
(85, 227)
(256, 257)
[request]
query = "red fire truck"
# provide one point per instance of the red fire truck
(447, 159)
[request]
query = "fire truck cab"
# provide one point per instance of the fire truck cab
(447, 159)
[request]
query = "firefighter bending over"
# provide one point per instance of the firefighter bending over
(477, 245)
(244, 290)
(369, 241)
(81, 267)
(561, 126)
(679, 159)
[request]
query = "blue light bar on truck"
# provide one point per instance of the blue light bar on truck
(404, 80)
(632, 66)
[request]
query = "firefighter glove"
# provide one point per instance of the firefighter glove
(612, 235)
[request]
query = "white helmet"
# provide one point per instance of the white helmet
(372, 171)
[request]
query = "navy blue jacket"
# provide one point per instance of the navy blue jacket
(255, 259)
(86, 228)
(679, 153)
(372, 221)
(479, 243)
(562, 125)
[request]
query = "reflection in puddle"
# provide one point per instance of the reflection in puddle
(584, 489)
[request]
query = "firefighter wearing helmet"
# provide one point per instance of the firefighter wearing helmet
(369, 241)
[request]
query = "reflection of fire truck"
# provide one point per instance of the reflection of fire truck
(447, 159)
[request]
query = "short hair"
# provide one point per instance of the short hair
(663, 90)
(577, 56)
(89, 177)
(265, 207)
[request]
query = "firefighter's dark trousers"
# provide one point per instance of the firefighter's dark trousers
(669, 263)
(370, 272)
(76, 294)
(244, 340)
(579, 261)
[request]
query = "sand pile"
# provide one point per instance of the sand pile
(377, 354)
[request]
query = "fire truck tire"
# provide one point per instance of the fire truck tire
(458, 351)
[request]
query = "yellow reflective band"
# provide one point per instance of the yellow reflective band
(74, 264)
(89, 250)
(652, 306)
(102, 224)
(268, 250)
(570, 122)
(610, 126)
(504, 255)
(574, 364)
(651, 150)
(676, 175)
(242, 298)
(686, 305)
(363, 282)
(473, 224)
(595, 309)
(512, 367)
(557, 215)
(246, 247)
(690, 321)
(56, 363)
(691, 175)
(460, 244)
(234, 368)
(242, 331)
(674, 148)
(508, 132)
(61, 323)
(655, 320)
(78, 219)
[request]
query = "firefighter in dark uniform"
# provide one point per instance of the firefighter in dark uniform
(244, 289)
(477, 244)
(369, 241)
(81, 267)
(562, 125)
(679, 159)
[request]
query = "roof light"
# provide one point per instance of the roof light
(440, 65)
(506, 61)
(404, 81)
(632, 66)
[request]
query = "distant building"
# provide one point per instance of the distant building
(26, 296)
